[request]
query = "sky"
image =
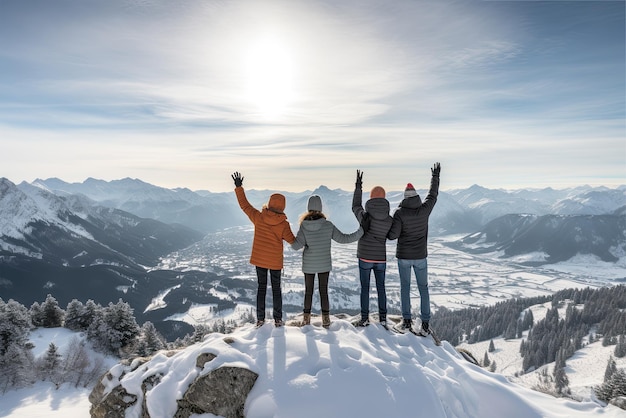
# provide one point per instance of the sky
(295, 94)
(339, 372)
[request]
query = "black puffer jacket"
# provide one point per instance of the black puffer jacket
(410, 224)
(376, 223)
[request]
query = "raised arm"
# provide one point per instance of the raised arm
(433, 192)
(357, 198)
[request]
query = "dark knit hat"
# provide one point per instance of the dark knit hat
(409, 191)
(315, 203)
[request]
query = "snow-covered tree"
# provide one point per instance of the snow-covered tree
(14, 325)
(74, 315)
(150, 340)
(492, 347)
(49, 366)
(16, 367)
(113, 327)
(36, 315)
(53, 315)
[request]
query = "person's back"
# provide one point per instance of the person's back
(410, 227)
(376, 222)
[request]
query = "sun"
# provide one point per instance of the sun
(269, 77)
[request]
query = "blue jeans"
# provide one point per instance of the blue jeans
(420, 267)
(365, 270)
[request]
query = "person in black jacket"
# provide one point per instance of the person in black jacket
(372, 250)
(410, 227)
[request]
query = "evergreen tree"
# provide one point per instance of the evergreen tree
(486, 361)
(36, 314)
(16, 367)
(49, 367)
(492, 347)
(150, 340)
(492, 367)
(14, 325)
(561, 382)
(620, 348)
(53, 315)
(113, 327)
(74, 315)
(611, 368)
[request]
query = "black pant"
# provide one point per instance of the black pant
(277, 295)
(309, 280)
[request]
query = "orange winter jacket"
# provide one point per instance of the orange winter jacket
(270, 229)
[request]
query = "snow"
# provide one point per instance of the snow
(313, 372)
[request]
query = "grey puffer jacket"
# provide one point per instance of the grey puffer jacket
(410, 224)
(315, 236)
(376, 223)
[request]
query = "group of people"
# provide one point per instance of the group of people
(409, 225)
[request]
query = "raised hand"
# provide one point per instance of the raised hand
(237, 178)
(359, 178)
(436, 169)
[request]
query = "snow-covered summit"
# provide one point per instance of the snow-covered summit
(345, 372)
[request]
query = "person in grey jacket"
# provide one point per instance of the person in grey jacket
(410, 227)
(372, 247)
(315, 235)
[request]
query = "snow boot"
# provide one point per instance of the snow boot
(325, 320)
(306, 319)
(363, 322)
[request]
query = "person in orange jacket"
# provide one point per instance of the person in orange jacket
(270, 229)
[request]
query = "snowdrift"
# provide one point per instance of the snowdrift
(345, 371)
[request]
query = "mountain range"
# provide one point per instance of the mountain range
(103, 240)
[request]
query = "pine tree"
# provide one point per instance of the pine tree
(50, 365)
(36, 314)
(14, 325)
(620, 348)
(16, 367)
(486, 361)
(611, 368)
(53, 315)
(73, 315)
(492, 347)
(561, 382)
(150, 340)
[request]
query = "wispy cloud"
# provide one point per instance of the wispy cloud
(158, 90)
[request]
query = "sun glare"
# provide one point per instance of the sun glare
(269, 77)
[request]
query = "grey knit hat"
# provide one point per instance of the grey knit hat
(315, 203)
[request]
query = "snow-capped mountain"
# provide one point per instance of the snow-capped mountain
(551, 238)
(73, 232)
(200, 211)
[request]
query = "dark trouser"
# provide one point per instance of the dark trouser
(365, 269)
(309, 280)
(277, 295)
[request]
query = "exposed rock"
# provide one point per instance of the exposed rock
(203, 359)
(112, 404)
(221, 392)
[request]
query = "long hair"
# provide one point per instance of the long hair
(311, 215)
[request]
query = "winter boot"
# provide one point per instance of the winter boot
(404, 326)
(325, 320)
(306, 319)
(278, 323)
(363, 322)
(425, 328)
